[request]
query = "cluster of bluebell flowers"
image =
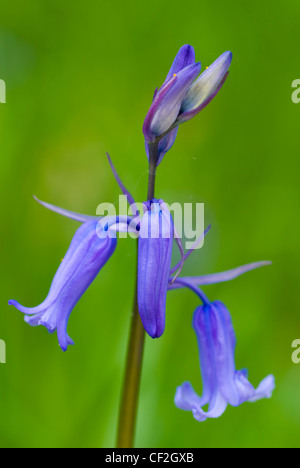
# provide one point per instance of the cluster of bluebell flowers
(182, 95)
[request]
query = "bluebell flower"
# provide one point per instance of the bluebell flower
(181, 97)
(154, 264)
(92, 246)
(222, 383)
(85, 257)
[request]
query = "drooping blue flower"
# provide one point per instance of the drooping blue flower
(85, 257)
(92, 246)
(222, 383)
(154, 263)
(181, 97)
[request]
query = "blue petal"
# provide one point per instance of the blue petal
(187, 399)
(184, 57)
(264, 389)
(154, 262)
(223, 347)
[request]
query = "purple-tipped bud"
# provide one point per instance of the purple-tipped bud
(154, 263)
(166, 105)
(167, 100)
(185, 56)
(181, 97)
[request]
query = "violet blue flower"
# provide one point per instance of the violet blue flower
(222, 383)
(154, 264)
(181, 97)
(86, 256)
(92, 246)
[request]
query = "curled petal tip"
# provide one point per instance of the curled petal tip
(64, 346)
(14, 303)
(17, 305)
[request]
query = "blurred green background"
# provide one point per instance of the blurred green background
(80, 77)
